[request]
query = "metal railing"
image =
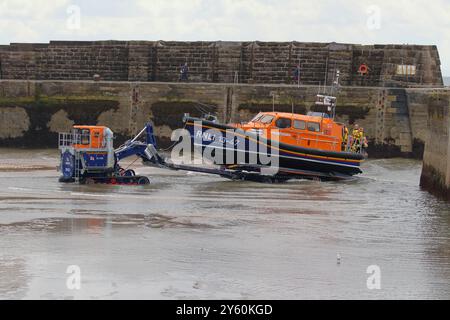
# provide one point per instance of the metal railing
(65, 139)
(355, 145)
(334, 142)
(68, 139)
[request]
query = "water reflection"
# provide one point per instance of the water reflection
(200, 236)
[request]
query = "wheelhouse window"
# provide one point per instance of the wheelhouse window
(266, 119)
(257, 117)
(314, 126)
(299, 124)
(82, 136)
(283, 123)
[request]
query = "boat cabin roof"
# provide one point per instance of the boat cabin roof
(89, 127)
(294, 116)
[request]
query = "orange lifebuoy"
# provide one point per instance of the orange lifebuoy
(363, 69)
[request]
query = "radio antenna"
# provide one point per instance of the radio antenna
(326, 77)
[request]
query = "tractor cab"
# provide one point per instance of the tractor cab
(93, 138)
(96, 145)
(86, 149)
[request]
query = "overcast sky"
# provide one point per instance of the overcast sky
(349, 21)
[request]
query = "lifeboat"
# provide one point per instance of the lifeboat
(300, 145)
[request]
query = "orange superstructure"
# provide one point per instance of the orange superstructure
(315, 130)
(90, 137)
(312, 145)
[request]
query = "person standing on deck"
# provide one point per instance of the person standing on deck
(356, 138)
(345, 145)
(364, 143)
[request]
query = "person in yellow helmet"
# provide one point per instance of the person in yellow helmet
(363, 138)
(345, 139)
(355, 132)
(356, 138)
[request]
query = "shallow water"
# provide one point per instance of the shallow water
(198, 236)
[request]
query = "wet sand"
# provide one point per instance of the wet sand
(195, 236)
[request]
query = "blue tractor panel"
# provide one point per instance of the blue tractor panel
(68, 164)
(95, 160)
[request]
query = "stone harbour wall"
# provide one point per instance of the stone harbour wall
(222, 62)
(435, 175)
(33, 112)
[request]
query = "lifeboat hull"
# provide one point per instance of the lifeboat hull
(290, 159)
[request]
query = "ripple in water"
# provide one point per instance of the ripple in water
(200, 236)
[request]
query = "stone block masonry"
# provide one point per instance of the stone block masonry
(436, 161)
(223, 62)
(32, 112)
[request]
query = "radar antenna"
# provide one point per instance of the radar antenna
(329, 101)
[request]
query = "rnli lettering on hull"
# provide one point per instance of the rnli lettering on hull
(207, 136)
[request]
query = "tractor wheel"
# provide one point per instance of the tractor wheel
(66, 180)
(143, 181)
